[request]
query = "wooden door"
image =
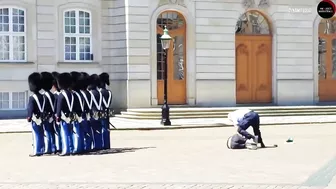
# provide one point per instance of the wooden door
(176, 78)
(327, 67)
(253, 69)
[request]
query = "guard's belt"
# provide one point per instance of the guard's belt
(95, 115)
(79, 118)
(68, 119)
(48, 117)
(37, 120)
(88, 116)
(103, 114)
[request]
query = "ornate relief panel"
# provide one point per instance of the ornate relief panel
(261, 4)
(242, 49)
(176, 2)
(263, 48)
(252, 23)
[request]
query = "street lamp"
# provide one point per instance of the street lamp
(165, 42)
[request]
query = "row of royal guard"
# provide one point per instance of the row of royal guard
(69, 112)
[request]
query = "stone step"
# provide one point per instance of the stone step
(190, 116)
(225, 112)
(228, 109)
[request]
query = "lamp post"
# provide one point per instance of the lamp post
(165, 42)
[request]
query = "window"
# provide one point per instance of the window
(13, 100)
(77, 36)
(4, 100)
(12, 35)
(18, 100)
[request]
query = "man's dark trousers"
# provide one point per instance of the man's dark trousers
(250, 119)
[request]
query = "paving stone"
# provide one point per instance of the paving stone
(178, 157)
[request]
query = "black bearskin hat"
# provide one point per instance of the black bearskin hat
(86, 78)
(47, 81)
(105, 78)
(82, 81)
(74, 80)
(34, 81)
(64, 81)
(94, 81)
(55, 76)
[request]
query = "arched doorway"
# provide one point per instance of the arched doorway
(176, 25)
(253, 59)
(327, 60)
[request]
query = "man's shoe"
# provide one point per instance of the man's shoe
(256, 139)
(34, 155)
(251, 145)
(64, 155)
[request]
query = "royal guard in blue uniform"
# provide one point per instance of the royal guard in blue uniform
(97, 99)
(57, 128)
(49, 113)
(105, 118)
(83, 81)
(35, 108)
(78, 135)
(64, 112)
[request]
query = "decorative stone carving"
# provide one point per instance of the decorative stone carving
(247, 4)
(252, 23)
(262, 4)
(176, 2)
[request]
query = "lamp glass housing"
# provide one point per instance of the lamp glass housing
(165, 39)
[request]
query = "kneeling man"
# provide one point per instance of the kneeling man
(243, 119)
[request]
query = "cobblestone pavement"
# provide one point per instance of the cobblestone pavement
(177, 156)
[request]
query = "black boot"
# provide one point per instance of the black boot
(35, 155)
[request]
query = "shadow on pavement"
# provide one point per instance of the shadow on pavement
(104, 152)
(115, 151)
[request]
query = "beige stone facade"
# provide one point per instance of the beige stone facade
(122, 35)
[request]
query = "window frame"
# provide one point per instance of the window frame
(11, 33)
(77, 35)
(10, 105)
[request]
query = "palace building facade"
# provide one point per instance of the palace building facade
(223, 52)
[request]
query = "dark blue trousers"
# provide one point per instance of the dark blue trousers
(58, 137)
(250, 119)
(49, 138)
(87, 135)
(105, 133)
(77, 138)
(38, 139)
(66, 135)
(97, 134)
